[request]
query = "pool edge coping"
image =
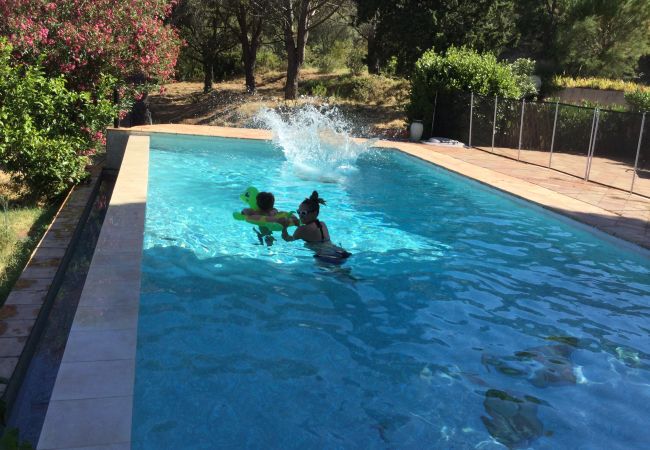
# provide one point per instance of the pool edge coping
(92, 400)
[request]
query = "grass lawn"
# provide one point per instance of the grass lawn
(21, 227)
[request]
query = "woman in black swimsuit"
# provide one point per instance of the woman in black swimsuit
(314, 232)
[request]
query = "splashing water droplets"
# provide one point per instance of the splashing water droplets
(317, 142)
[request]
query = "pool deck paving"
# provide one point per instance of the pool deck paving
(92, 401)
(30, 296)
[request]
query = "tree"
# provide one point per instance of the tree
(406, 28)
(604, 38)
(248, 25)
(86, 40)
(293, 20)
(204, 26)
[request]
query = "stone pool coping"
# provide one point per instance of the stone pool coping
(92, 401)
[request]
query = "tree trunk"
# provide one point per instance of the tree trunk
(208, 77)
(293, 74)
(372, 60)
(296, 48)
(250, 62)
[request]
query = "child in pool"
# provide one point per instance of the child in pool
(313, 231)
(265, 203)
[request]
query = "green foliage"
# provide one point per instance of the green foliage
(559, 82)
(269, 61)
(639, 101)
(604, 38)
(466, 70)
(46, 130)
(524, 68)
(10, 440)
(319, 90)
(356, 61)
(459, 69)
(406, 28)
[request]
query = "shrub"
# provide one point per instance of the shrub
(524, 68)
(87, 39)
(362, 88)
(268, 61)
(46, 130)
(319, 90)
(459, 69)
(356, 62)
(332, 58)
(639, 101)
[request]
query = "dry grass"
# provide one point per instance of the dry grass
(599, 83)
(229, 104)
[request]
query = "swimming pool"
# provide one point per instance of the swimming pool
(464, 318)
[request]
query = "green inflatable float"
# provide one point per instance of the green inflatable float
(250, 198)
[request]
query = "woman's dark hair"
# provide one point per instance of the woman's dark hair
(314, 202)
(265, 201)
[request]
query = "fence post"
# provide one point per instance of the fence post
(433, 118)
(471, 114)
(550, 156)
(638, 151)
(494, 121)
(521, 126)
(592, 142)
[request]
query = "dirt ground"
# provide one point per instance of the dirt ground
(229, 105)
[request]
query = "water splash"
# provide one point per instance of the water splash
(317, 142)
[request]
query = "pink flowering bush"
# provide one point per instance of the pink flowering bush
(87, 39)
(47, 131)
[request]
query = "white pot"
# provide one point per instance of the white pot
(416, 130)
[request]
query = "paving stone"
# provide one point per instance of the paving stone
(7, 367)
(19, 297)
(32, 284)
(87, 422)
(40, 272)
(16, 328)
(94, 379)
(19, 312)
(100, 345)
(12, 346)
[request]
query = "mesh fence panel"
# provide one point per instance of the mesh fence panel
(482, 121)
(506, 136)
(642, 180)
(496, 125)
(537, 133)
(614, 150)
(452, 116)
(572, 139)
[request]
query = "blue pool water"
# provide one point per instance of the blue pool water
(463, 319)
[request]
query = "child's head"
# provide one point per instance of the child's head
(310, 207)
(265, 201)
